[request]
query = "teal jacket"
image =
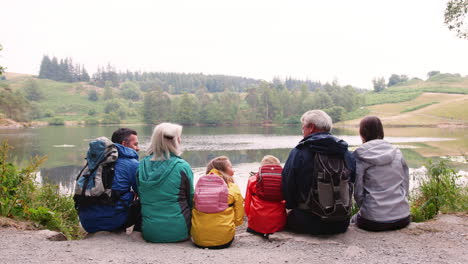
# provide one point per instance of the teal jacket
(166, 194)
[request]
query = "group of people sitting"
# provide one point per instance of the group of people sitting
(311, 194)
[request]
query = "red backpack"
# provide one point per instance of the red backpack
(269, 183)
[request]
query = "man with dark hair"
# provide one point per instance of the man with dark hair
(126, 137)
(101, 217)
(319, 195)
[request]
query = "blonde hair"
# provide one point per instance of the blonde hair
(220, 164)
(164, 141)
(270, 160)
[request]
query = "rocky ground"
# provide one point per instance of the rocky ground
(443, 240)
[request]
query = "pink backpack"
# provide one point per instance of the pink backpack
(211, 194)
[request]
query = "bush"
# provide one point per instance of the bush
(22, 198)
(91, 121)
(92, 112)
(438, 192)
(49, 113)
(112, 118)
(93, 96)
(57, 121)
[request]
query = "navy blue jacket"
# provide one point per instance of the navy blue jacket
(297, 172)
(108, 218)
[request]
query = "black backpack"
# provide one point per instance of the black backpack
(94, 182)
(330, 196)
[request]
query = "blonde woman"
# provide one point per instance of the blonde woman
(165, 184)
(217, 230)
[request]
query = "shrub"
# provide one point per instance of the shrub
(438, 192)
(93, 96)
(112, 118)
(57, 121)
(49, 113)
(22, 198)
(91, 121)
(92, 112)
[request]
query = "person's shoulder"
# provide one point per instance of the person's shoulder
(233, 188)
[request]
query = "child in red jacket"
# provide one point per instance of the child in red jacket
(264, 204)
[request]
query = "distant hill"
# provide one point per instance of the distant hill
(440, 100)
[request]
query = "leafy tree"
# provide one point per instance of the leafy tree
(93, 95)
(187, 110)
(379, 84)
(455, 17)
(13, 104)
(321, 101)
(156, 107)
(130, 91)
(432, 73)
(108, 94)
(396, 79)
(336, 113)
(112, 118)
(33, 91)
(113, 106)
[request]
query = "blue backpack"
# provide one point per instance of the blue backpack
(94, 182)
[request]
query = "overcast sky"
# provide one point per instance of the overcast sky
(352, 41)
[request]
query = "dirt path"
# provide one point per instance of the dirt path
(441, 241)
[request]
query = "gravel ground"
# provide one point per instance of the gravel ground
(443, 240)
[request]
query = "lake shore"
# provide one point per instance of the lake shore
(442, 240)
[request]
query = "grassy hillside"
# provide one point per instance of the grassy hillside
(438, 109)
(441, 83)
(69, 101)
(441, 100)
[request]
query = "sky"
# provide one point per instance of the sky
(351, 41)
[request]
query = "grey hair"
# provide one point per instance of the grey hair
(164, 141)
(319, 118)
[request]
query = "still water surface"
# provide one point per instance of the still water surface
(66, 146)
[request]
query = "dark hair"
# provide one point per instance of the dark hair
(122, 134)
(371, 128)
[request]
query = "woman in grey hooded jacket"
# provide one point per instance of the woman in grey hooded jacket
(382, 181)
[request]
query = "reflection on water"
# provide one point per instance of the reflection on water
(66, 147)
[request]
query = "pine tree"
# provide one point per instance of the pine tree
(45, 68)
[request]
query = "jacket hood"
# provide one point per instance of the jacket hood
(377, 152)
(157, 171)
(324, 142)
(126, 152)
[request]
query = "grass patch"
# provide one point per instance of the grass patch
(414, 108)
(438, 192)
(22, 198)
(358, 113)
(390, 97)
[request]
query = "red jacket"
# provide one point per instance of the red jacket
(263, 216)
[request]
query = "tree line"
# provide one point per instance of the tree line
(63, 70)
(265, 103)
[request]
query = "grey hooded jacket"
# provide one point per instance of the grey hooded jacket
(382, 182)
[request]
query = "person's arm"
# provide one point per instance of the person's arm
(351, 164)
(288, 179)
(125, 176)
(405, 176)
(359, 183)
(248, 194)
(238, 205)
(187, 181)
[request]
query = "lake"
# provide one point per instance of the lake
(66, 146)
